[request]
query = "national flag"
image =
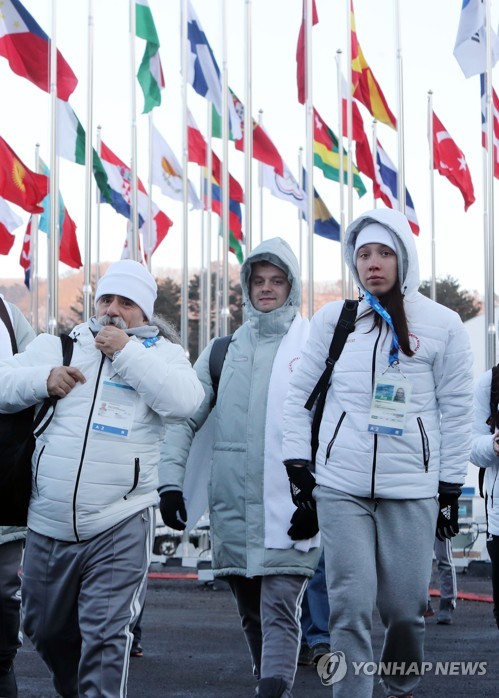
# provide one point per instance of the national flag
(9, 221)
(327, 155)
(69, 252)
(235, 214)
(365, 87)
(27, 48)
(325, 224)
(119, 178)
(263, 148)
(197, 152)
(449, 160)
(25, 256)
(150, 74)
(470, 49)
(18, 184)
(203, 72)
(71, 144)
(284, 187)
(387, 177)
(167, 172)
(495, 127)
(161, 224)
(301, 51)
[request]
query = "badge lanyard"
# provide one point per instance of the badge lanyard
(378, 308)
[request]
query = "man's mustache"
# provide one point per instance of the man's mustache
(106, 320)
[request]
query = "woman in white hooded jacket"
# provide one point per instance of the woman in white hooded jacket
(388, 473)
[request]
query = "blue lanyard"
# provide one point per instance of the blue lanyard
(150, 341)
(377, 307)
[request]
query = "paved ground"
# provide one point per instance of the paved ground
(194, 647)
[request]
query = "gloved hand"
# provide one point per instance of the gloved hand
(302, 484)
(447, 522)
(172, 508)
(304, 524)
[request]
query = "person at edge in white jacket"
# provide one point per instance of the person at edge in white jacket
(388, 473)
(91, 514)
(485, 454)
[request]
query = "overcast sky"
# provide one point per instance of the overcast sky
(428, 31)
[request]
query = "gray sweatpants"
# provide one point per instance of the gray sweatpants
(10, 600)
(270, 611)
(377, 552)
(446, 573)
(79, 600)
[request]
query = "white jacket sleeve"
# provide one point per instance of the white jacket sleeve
(163, 378)
(482, 451)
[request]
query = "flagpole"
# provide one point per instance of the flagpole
(260, 181)
(208, 194)
(97, 216)
(134, 213)
(225, 312)
(299, 213)
(309, 154)
(374, 153)
(202, 273)
(248, 130)
(433, 286)
(400, 120)
(349, 136)
(87, 265)
(34, 256)
(490, 330)
(53, 261)
(184, 316)
(148, 231)
(339, 78)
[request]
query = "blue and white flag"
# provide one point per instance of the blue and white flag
(470, 49)
(387, 178)
(203, 72)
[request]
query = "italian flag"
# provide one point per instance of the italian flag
(150, 74)
(71, 145)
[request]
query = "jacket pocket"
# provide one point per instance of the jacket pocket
(136, 475)
(425, 445)
(335, 434)
(37, 466)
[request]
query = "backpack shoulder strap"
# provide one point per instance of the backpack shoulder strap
(216, 362)
(345, 325)
(4, 315)
(67, 344)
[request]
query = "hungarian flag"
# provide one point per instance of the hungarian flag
(197, 152)
(19, 184)
(150, 74)
(449, 160)
(327, 155)
(9, 221)
(365, 87)
(301, 51)
(27, 48)
(263, 148)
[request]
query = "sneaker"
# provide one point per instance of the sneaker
(429, 611)
(444, 616)
(305, 657)
(8, 685)
(319, 651)
(136, 650)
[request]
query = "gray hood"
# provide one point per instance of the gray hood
(398, 225)
(278, 252)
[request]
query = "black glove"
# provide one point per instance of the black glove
(302, 484)
(304, 524)
(447, 522)
(172, 508)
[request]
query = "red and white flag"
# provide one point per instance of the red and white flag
(449, 160)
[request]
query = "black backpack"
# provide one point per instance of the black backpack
(17, 443)
(216, 362)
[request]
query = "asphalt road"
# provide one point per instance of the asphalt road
(193, 646)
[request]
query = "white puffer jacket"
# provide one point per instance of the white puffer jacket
(482, 452)
(437, 435)
(84, 481)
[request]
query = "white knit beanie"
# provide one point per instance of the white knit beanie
(129, 279)
(374, 233)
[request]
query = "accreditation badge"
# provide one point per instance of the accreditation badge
(114, 409)
(391, 397)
